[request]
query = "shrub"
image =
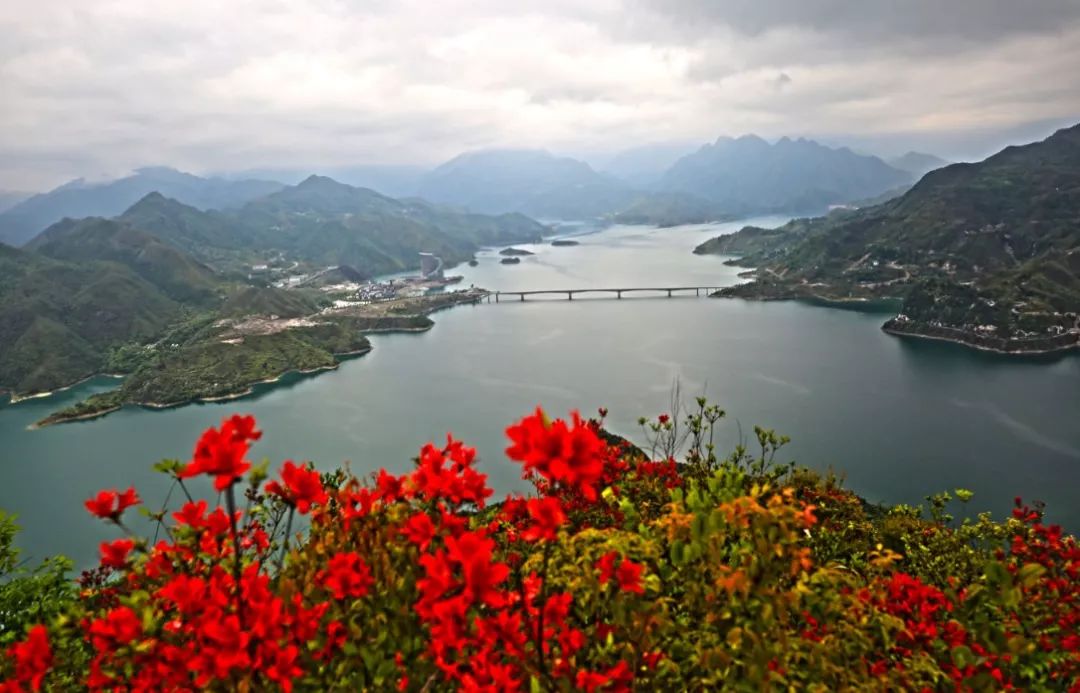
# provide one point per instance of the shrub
(619, 572)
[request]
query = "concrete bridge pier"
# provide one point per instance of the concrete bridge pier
(669, 293)
(618, 294)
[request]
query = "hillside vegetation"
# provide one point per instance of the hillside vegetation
(986, 251)
(96, 295)
(621, 570)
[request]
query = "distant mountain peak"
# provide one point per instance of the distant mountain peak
(28, 218)
(748, 175)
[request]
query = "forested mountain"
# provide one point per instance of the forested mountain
(84, 288)
(330, 223)
(59, 319)
(81, 199)
(991, 249)
(173, 271)
(749, 175)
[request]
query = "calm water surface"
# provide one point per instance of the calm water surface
(900, 419)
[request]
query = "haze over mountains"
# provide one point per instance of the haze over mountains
(80, 199)
(663, 183)
(917, 163)
(748, 174)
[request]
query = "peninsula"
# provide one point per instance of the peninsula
(986, 255)
(214, 359)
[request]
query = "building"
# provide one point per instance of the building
(431, 266)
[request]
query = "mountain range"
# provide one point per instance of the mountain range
(749, 175)
(986, 253)
(727, 178)
(659, 184)
(76, 298)
(78, 199)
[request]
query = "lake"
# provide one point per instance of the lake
(900, 419)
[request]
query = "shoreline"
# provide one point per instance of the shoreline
(958, 340)
(15, 399)
(948, 335)
(159, 406)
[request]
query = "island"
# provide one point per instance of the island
(515, 252)
(510, 260)
(564, 242)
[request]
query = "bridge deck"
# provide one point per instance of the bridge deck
(618, 291)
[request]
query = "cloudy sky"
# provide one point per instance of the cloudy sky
(97, 87)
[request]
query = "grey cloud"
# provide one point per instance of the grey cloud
(891, 21)
(103, 86)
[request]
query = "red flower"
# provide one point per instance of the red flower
(32, 658)
(472, 551)
(606, 566)
(220, 452)
(192, 514)
(119, 627)
(110, 505)
(186, 592)
(571, 455)
(283, 668)
(346, 575)
(663, 419)
(547, 516)
(628, 575)
(302, 487)
(420, 530)
(617, 677)
(114, 554)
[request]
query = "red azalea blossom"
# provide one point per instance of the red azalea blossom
(606, 566)
(192, 514)
(32, 658)
(221, 452)
(420, 530)
(547, 516)
(114, 554)
(346, 575)
(465, 602)
(561, 453)
(628, 575)
(110, 505)
(302, 487)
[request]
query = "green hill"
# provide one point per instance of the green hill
(257, 300)
(209, 236)
(59, 319)
(1002, 234)
(330, 223)
(176, 273)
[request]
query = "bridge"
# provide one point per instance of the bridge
(670, 291)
